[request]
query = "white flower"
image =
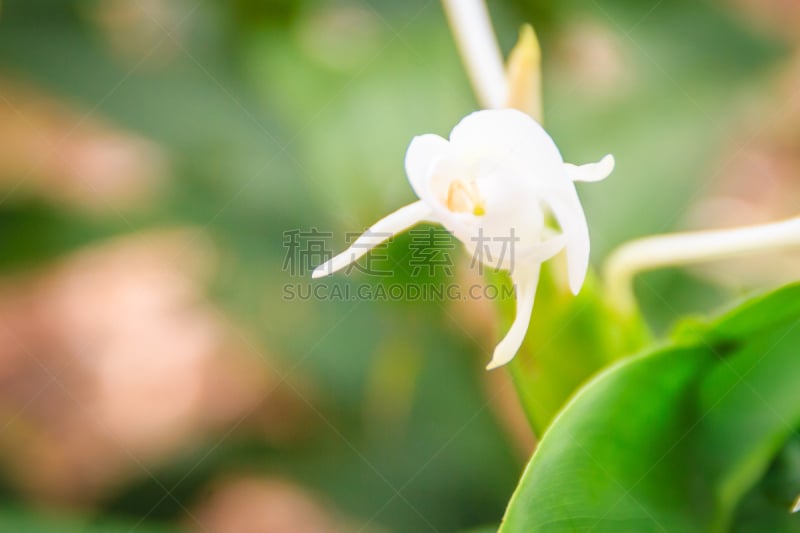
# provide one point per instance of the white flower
(496, 180)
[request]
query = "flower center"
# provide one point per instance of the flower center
(464, 197)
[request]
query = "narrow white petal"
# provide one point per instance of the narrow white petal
(568, 211)
(381, 231)
(591, 171)
(525, 279)
(420, 156)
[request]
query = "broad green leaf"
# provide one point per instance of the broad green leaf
(612, 460)
(674, 439)
(753, 407)
(764, 507)
(745, 319)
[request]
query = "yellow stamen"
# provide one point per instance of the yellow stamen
(465, 198)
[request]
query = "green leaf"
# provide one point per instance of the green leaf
(675, 438)
(745, 319)
(752, 401)
(610, 459)
(764, 507)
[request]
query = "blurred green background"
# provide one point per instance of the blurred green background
(153, 155)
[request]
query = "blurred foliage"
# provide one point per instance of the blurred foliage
(277, 115)
(29, 522)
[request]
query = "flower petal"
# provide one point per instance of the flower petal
(592, 171)
(423, 151)
(568, 211)
(384, 229)
(525, 280)
(511, 137)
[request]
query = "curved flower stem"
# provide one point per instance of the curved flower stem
(676, 249)
(472, 28)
